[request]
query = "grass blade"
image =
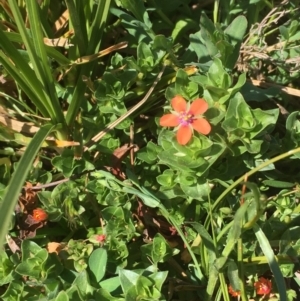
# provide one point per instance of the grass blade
(17, 180)
(51, 51)
(26, 40)
(38, 58)
(24, 84)
(95, 37)
(26, 77)
(79, 27)
(267, 250)
(52, 103)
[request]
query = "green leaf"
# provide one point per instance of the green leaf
(110, 284)
(17, 180)
(266, 121)
(136, 28)
(217, 76)
(97, 263)
(233, 275)
(211, 285)
(293, 29)
(220, 263)
(236, 230)
(240, 83)
(181, 27)
(183, 163)
(284, 32)
(132, 294)
(74, 294)
(234, 33)
(206, 23)
(104, 295)
(236, 30)
(113, 212)
(30, 268)
(208, 243)
(278, 184)
(199, 48)
(159, 279)
(7, 273)
(145, 57)
(52, 266)
(128, 279)
(166, 179)
(291, 121)
(82, 283)
(66, 163)
(292, 130)
(152, 150)
(159, 248)
(185, 87)
(142, 285)
(196, 191)
(147, 200)
(137, 8)
(29, 249)
(239, 117)
(62, 296)
(14, 291)
(186, 179)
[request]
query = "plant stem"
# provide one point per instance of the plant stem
(250, 173)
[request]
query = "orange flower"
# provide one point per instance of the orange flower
(232, 292)
(187, 118)
(263, 286)
(39, 215)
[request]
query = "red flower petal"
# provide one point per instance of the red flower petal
(178, 103)
(232, 292)
(184, 134)
(101, 237)
(202, 126)
(39, 215)
(263, 286)
(169, 120)
(198, 106)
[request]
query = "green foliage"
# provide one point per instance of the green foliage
(211, 41)
(136, 214)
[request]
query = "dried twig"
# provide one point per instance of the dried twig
(128, 113)
(288, 90)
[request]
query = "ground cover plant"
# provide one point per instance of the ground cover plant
(149, 150)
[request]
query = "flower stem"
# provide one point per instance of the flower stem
(248, 174)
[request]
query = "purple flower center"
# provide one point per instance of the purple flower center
(185, 118)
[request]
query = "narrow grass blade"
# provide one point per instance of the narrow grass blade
(236, 230)
(267, 250)
(24, 84)
(26, 39)
(96, 30)
(40, 50)
(17, 180)
(22, 73)
(78, 26)
(38, 58)
(51, 51)
(207, 243)
(95, 37)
